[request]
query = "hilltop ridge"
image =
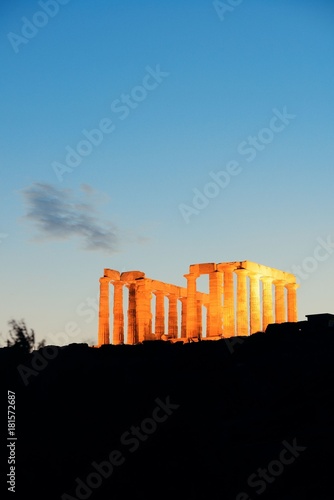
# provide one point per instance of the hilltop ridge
(229, 419)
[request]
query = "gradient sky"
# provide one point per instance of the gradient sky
(181, 89)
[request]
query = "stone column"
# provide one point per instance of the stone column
(183, 317)
(215, 304)
(280, 311)
(103, 333)
(159, 314)
(143, 310)
(292, 302)
(255, 304)
(242, 303)
(172, 316)
(192, 327)
(118, 326)
(199, 318)
(228, 306)
(206, 305)
(132, 334)
(267, 301)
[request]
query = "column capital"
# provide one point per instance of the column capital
(241, 270)
(254, 275)
(292, 286)
(279, 283)
(104, 279)
(117, 283)
(267, 279)
(191, 275)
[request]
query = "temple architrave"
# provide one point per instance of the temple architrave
(243, 298)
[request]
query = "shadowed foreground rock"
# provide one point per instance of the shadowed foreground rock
(241, 419)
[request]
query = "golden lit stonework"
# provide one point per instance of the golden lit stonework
(242, 299)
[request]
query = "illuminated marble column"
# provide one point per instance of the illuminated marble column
(228, 303)
(255, 303)
(292, 302)
(183, 317)
(215, 304)
(118, 324)
(159, 314)
(172, 315)
(206, 312)
(199, 317)
(103, 333)
(192, 329)
(280, 311)
(242, 302)
(143, 310)
(267, 305)
(132, 334)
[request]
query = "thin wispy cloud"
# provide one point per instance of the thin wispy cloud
(62, 214)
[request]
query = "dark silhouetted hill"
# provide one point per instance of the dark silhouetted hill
(234, 419)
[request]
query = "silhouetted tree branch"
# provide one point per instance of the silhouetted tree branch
(19, 336)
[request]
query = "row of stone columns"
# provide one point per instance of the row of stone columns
(229, 312)
(139, 315)
(222, 314)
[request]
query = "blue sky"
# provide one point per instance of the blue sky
(177, 91)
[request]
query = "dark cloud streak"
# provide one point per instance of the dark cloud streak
(61, 214)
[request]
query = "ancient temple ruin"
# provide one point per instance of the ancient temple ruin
(242, 299)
